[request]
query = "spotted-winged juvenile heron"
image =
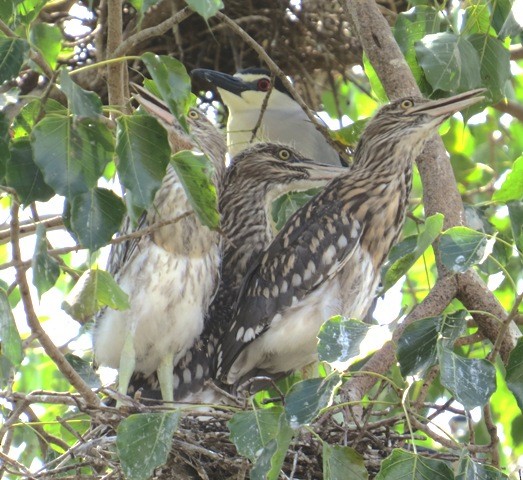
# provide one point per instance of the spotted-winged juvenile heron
(283, 120)
(256, 177)
(327, 258)
(170, 274)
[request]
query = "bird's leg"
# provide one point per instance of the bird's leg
(166, 378)
(127, 364)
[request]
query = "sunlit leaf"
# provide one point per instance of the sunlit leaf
(270, 459)
(205, 8)
(71, 156)
(340, 339)
(450, 62)
(13, 52)
(341, 463)
(402, 464)
(143, 152)
(195, 172)
(173, 82)
(461, 247)
(350, 134)
(48, 39)
(471, 380)
(306, 398)
(252, 430)
(512, 187)
(10, 342)
(96, 216)
(401, 264)
(45, 268)
(417, 346)
(514, 375)
(82, 103)
(143, 442)
(95, 289)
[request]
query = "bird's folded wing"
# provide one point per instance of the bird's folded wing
(316, 242)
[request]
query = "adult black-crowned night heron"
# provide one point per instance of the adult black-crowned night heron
(327, 258)
(170, 275)
(283, 120)
(256, 177)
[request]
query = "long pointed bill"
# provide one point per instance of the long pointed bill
(319, 171)
(446, 107)
(152, 104)
(221, 80)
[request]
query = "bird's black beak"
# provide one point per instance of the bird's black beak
(221, 80)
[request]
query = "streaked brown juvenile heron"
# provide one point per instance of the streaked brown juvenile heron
(256, 177)
(327, 258)
(170, 274)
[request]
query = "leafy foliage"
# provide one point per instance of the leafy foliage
(65, 141)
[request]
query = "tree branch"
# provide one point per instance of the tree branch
(115, 71)
(50, 348)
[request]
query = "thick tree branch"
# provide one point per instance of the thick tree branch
(115, 71)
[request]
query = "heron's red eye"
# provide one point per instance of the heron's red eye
(264, 84)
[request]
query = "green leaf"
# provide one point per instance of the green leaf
(143, 152)
(85, 370)
(340, 339)
(401, 464)
(468, 469)
(173, 82)
(48, 39)
(143, 442)
(495, 64)
(514, 374)
(5, 155)
(83, 104)
(509, 11)
(13, 52)
(375, 82)
(417, 346)
(410, 27)
(400, 265)
(95, 288)
(252, 430)
(142, 6)
(306, 398)
(270, 459)
(45, 268)
(24, 176)
(10, 342)
(96, 216)
(342, 463)
(284, 206)
(205, 8)
(515, 212)
(512, 187)
(461, 247)
(476, 19)
(71, 156)
(350, 134)
(472, 381)
(450, 62)
(31, 113)
(195, 172)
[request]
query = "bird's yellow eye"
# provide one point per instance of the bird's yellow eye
(284, 154)
(194, 114)
(406, 104)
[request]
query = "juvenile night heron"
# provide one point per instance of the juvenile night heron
(327, 258)
(256, 177)
(170, 274)
(283, 121)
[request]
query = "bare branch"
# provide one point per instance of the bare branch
(50, 348)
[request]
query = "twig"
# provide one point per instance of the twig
(512, 108)
(29, 227)
(115, 71)
(158, 30)
(50, 348)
